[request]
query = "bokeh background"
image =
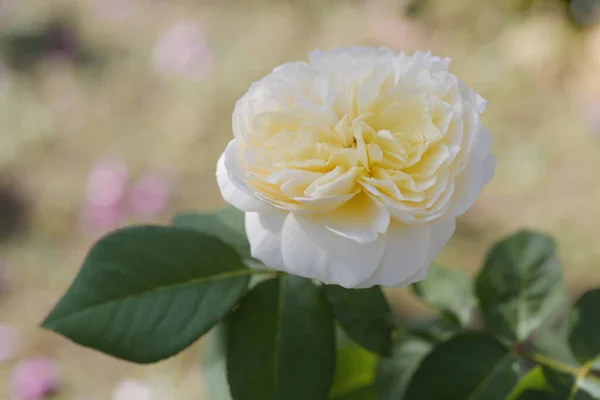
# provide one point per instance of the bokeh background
(114, 112)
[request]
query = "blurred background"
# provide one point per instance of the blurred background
(114, 112)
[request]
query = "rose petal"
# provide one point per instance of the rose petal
(406, 253)
(470, 182)
(361, 219)
(311, 250)
(420, 275)
(489, 168)
(441, 232)
(483, 144)
(264, 234)
(231, 182)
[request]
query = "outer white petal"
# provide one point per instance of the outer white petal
(470, 182)
(264, 234)
(489, 167)
(473, 97)
(312, 251)
(406, 252)
(441, 232)
(231, 183)
(360, 219)
(418, 276)
(483, 144)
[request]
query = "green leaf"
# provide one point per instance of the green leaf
(394, 374)
(282, 343)
(553, 344)
(588, 387)
(533, 394)
(146, 293)
(365, 316)
(584, 327)
(520, 285)
(227, 224)
(470, 366)
(560, 382)
(450, 291)
(364, 393)
(434, 330)
(354, 374)
(534, 380)
(582, 385)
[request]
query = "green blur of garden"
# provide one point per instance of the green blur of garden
(114, 112)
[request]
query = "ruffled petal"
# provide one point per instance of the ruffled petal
(360, 219)
(418, 276)
(407, 248)
(231, 183)
(441, 232)
(470, 182)
(313, 251)
(264, 234)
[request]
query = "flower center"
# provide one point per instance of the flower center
(394, 146)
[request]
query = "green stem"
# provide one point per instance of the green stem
(264, 272)
(551, 363)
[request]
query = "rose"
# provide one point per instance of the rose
(352, 168)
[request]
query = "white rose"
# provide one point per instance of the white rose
(352, 168)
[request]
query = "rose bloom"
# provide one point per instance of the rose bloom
(353, 167)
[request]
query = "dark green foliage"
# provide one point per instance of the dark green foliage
(394, 373)
(365, 316)
(145, 293)
(227, 224)
(450, 291)
(469, 366)
(282, 343)
(520, 285)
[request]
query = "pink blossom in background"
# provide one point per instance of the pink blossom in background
(101, 219)
(107, 183)
(132, 390)
(10, 342)
(184, 50)
(149, 196)
(34, 379)
(105, 192)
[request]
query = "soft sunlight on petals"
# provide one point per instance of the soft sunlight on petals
(354, 165)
